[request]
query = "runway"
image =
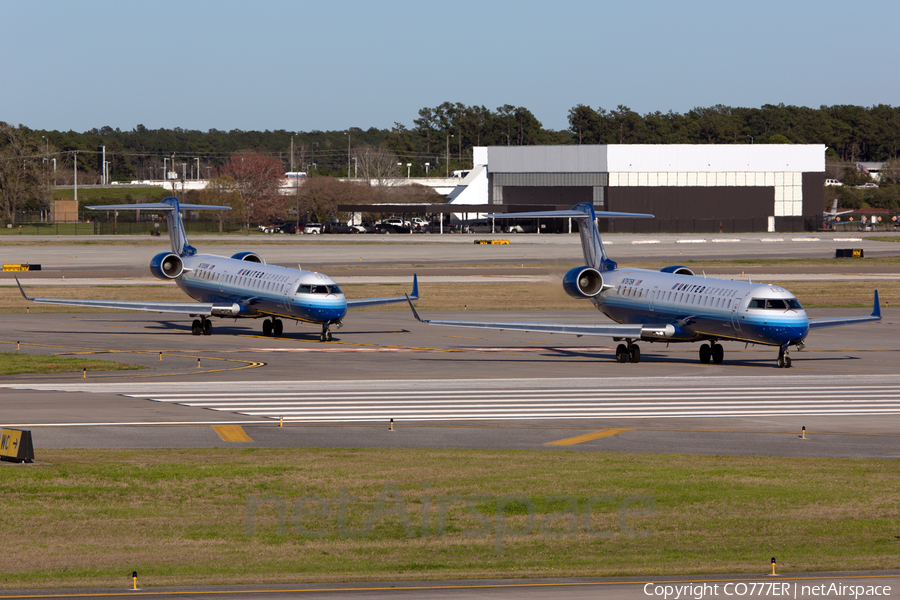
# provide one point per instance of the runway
(797, 586)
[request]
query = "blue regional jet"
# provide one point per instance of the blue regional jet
(242, 286)
(670, 305)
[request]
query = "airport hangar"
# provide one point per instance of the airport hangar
(689, 188)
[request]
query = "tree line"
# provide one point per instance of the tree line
(439, 141)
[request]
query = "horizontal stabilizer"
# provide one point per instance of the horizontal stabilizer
(158, 206)
(562, 214)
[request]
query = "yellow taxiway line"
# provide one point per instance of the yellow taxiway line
(578, 439)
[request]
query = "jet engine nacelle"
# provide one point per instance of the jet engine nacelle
(583, 282)
(166, 265)
(249, 257)
(677, 270)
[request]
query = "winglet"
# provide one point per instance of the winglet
(876, 310)
(415, 292)
(415, 314)
(27, 298)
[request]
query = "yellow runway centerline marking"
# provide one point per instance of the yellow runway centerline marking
(578, 439)
(232, 433)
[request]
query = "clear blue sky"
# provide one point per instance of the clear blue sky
(329, 65)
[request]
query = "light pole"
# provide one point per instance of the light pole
(408, 165)
(426, 168)
(348, 153)
(292, 154)
(165, 168)
(355, 168)
(198, 167)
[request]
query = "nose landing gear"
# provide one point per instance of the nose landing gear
(784, 361)
(326, 333)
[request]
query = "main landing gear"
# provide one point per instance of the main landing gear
(201, 326)
(784, 361)
(714, 352)
(631, 352)
(273, 327)
(326, 333)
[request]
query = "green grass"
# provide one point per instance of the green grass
(113, 195)
(13, 363)
(884, 238)
(180, 517)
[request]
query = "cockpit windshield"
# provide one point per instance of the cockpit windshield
(318, 289)
(775, 303)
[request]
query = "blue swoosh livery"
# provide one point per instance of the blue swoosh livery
(240, 286)
(671, 305)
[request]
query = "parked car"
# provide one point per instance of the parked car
(313, 228)
(482, 226)
(399, 222)
(833, 182)
(867, 185)
(385, 227)
(338, 227)
(418, 223)
(292, 226)
(520, 228)
(271, 228)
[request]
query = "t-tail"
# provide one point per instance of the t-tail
(591, 244)
(177, 235)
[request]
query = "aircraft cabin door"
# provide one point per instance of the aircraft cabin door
(653, 297)
(735, 317)
(286, 296)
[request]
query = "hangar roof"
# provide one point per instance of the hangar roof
(657, 158)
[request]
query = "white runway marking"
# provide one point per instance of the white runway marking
(445, 405)
(509, 399)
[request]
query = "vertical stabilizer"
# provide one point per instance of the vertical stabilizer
(177, 235)
(591, 244)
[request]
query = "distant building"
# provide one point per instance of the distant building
(703, 188)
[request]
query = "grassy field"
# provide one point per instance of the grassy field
(12, 363)
(211, 516)
(445, 296)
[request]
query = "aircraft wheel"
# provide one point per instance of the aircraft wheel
(705, 353)
(327, 336)
(278, 327)
(207, 327)
(634, 353)
(718, 354)
(196, 328)
(267, 327)
(787, 362)
(780, 361)
(621, 353)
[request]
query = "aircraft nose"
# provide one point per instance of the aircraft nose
(332, 313)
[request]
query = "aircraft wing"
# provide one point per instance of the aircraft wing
(361, 302)
(836, 321)
(602, 329)
(184, 308)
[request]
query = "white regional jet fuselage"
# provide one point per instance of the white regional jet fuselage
(670, 305)
(691, 308)
(253, 289)
(240, 286)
